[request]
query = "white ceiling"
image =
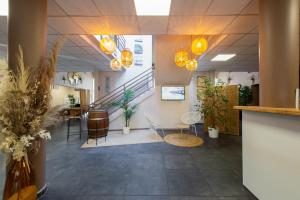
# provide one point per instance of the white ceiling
(238, 19)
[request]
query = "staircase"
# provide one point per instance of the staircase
(139, 85)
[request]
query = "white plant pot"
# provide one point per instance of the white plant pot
(126, 130)
(213, 132)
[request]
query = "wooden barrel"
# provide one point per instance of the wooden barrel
(97, 124)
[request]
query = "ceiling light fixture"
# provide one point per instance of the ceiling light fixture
(223, 57)
(181, 57)
(107, 45)
(126, 58)
(115, 65)
(191, 65)
(4, 8)
(152, 7)
(199, 46)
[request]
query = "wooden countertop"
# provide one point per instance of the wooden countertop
(282, 111)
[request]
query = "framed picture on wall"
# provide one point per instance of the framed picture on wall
(172, 93)
(138, 52)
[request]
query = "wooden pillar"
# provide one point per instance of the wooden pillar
(278, 52)
(27, 26)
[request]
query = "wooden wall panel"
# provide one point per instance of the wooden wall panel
(232, 124)
(84, 97)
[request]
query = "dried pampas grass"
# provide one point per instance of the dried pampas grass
(25, 104)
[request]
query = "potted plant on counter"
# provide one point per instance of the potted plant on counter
(71, 100)
(213, 106)
(128, 110)
(245, 96)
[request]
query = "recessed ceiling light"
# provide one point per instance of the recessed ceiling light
(223, 57)
(4, 8)
(152, 7)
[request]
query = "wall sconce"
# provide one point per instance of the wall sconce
(229, 79)
(64, 79)
(252, 78)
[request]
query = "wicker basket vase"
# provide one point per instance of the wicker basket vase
(19, 181)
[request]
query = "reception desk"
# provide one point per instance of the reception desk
(271, 152)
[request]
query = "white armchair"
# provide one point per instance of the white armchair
(154, 124)
(190, 119)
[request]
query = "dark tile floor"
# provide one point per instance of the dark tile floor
(156, 171)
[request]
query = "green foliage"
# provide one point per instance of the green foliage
(245, 96)
(214, 103)
(71, 99)
(123, 103)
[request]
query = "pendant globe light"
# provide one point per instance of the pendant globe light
(115, 65)
(191, 65)
(126, 58)
(181, 57)
(199, 46)
(107, 45)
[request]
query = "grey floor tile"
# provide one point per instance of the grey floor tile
(145, 198)
(179, 162)
(150, 186)
(99, 197)
(188, 182)
(147, 182)
(225, 183)
(238, 198)
(192, 198)
(143, 171)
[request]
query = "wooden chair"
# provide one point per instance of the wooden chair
(75, 114)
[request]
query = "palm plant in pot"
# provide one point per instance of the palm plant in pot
(128, 110)
(213, 106)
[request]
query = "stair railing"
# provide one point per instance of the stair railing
(139, 85)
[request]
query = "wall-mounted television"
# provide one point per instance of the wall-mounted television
(172, 93)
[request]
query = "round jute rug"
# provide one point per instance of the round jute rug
(183, 140)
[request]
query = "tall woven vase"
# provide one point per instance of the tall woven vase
(19, 183)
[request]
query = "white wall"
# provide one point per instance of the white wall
(271, 162)
(167, 113)
(87, 82)
(60, 94)
(238, 78)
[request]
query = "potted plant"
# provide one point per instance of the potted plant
(245, 96)
(128, 110)
(213, 106)
(25, 120)
(71, 100)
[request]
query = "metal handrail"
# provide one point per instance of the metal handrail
(141, 86)
(150, 70)
(137, 84)
(120, 92)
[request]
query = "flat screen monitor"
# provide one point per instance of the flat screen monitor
(172, 93)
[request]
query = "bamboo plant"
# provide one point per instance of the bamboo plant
(214, 103)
